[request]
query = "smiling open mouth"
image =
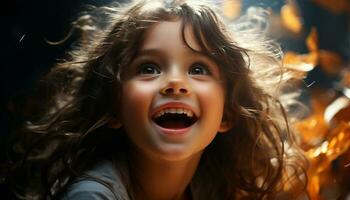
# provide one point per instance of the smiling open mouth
(175, 120)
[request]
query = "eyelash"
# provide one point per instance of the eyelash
(203, 67)
(149, 66)
(155, 69)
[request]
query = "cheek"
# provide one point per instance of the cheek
(212, 95)
(133, 91)
(136, 99)
(212, 98)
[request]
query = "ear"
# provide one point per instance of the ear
(224, 126)
(114, 123)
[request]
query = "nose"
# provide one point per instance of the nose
(175, 84)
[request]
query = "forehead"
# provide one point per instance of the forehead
(168, 34)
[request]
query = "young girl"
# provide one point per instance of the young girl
(165, 101)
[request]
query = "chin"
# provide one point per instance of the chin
(175, 153)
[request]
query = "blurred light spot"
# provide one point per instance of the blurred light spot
(291, 18)
(335, 107)
(231, 8)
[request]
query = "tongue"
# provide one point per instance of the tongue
(173, 124)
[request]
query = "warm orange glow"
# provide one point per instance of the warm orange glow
(312, 40)
(335, 6)
(331, 62)
(291, 18)
(231, 8)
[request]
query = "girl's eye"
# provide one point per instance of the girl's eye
(199, 69)
(149, 68)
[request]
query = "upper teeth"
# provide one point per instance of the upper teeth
(185, 111)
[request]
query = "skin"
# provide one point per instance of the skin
(167, 71)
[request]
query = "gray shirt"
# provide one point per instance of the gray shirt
(102, 182)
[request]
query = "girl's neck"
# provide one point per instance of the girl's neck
(161, 180)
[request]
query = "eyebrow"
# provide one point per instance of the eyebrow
(156, 51)
(149, 52)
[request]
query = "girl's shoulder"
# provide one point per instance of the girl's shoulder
(102, 181)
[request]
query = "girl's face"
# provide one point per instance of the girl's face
(172, 97)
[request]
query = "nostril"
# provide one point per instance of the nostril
(169, 90)
(174, 91)
(183, 90)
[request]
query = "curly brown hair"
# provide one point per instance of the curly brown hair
(257, 159)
